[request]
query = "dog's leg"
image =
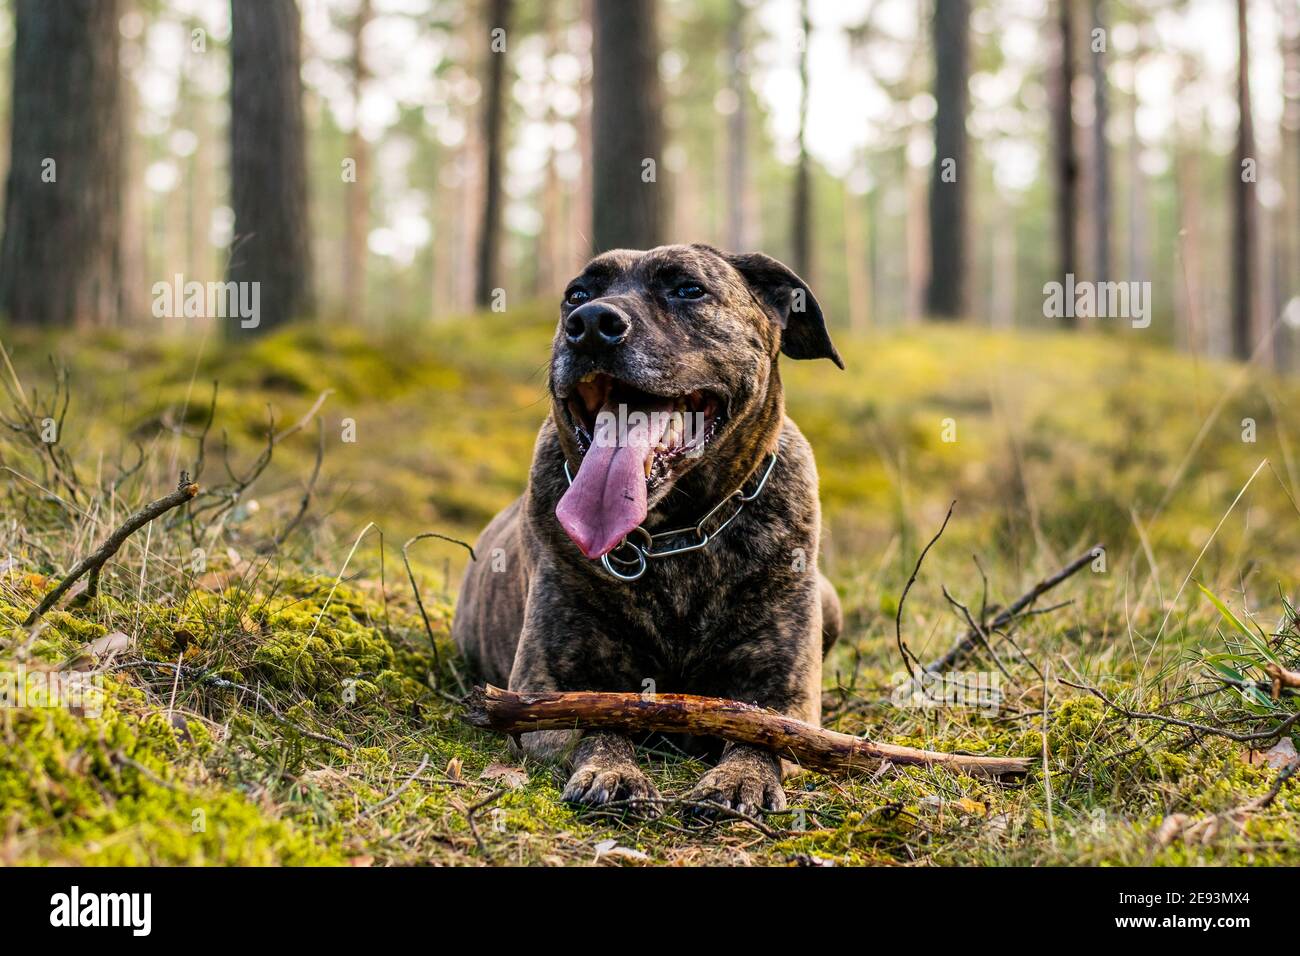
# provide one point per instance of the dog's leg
(832, 615)
(746, 780)
(604, 769)
(602, 765)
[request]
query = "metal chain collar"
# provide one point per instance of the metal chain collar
(638, 555)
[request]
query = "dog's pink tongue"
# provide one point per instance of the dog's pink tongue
(608, 496)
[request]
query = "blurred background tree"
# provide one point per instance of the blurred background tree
(60, 261)
(268, 174)
(1104, 139)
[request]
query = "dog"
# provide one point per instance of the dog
(667, 415)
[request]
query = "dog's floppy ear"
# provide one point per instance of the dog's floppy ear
(791, 304)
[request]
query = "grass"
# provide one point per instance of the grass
(279, 701)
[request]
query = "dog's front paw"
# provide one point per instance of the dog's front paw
(598, 782)
(745, 785)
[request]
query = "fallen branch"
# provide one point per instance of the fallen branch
(1281, 678)
(974, 637)
(491, 708)
(1257, 736)
(185, 490)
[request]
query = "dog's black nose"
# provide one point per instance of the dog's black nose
(595, 327)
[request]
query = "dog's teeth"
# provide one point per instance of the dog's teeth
(649, 465)
(673, 436)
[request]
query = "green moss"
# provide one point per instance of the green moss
(311, 730)
(126, 788)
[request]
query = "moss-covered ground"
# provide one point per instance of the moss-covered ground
(258, 685)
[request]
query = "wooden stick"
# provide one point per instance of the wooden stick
(491, 708)
(973, 638)
(185, 490)
(1281, 678)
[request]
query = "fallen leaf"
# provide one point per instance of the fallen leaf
(1169, 830)
(611, 851)
(512, 777)
(453, 768)
(109, 644)
(1280, 754)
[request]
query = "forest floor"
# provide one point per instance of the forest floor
(263, 689)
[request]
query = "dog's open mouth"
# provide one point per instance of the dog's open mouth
(632, 441)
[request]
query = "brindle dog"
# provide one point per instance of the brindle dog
(691, 335)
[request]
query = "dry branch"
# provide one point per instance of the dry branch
(185, 490)
(1281, 678)
(491, 708)
(974, 637)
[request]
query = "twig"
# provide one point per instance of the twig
(492, 708)
(221, 682)
(419, 601)
(473, 827)
(424, 762)
(979, 631)
(898, 616)
(185, 490)
(307, 492)
(1005, 617)
(705, 811)
(1260, 735)
(1286, 774)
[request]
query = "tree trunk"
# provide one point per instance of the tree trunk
(60, 261)
(739, 236)
(550, 236)
(488, 275)
(1067, 163)
(1100, 151)
(801, 215)
(1245, 211)
(268, 174)
(357, 192)
(1187, 188)
(1289, 251)
(945, 296)
(627, 127)
(857, 260)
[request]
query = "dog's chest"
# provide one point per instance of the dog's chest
(689, 612)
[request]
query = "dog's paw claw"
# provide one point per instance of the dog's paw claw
(745, 789)
(597, 784)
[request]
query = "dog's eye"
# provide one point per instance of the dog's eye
(689, 290)
(577, 296)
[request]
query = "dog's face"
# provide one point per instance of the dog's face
(664, 362)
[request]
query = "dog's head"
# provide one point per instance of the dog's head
(664, 365)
